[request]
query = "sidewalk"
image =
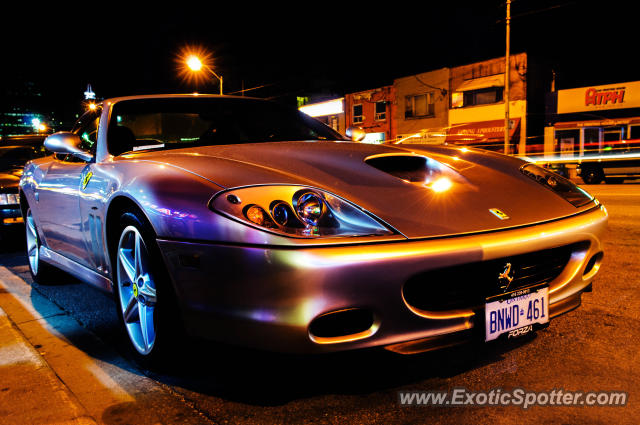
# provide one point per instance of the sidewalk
(30, 391)
(53, 370)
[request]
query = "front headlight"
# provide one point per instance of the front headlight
(560, 185)
(9, 199)
(297, 211)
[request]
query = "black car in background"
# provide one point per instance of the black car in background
(15, 151)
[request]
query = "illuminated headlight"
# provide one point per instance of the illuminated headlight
(297, 211)
(9, 199)
(310, 208)
(560, 185)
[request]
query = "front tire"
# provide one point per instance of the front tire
(143, 297)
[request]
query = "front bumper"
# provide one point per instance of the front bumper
(267, 297)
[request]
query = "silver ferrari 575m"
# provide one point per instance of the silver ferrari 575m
(244, 222)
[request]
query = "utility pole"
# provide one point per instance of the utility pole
(506, 83)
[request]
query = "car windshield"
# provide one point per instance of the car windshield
(17, 156)
(178, 122)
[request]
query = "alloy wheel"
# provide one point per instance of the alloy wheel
(33, 251)
(136, 290)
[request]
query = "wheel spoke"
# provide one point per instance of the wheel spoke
(31, 227)
(138, 256)
(132, 311)
(129, 268)
(146, 326)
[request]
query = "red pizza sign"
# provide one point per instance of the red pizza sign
(604, 96)
(612, 96)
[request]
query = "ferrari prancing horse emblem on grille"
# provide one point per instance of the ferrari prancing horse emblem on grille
(506, 277)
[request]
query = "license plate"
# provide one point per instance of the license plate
(516, 313)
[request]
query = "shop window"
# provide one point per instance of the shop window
(612, 138)
(381, 111)
(358, 116)
(568, 142)
(634, 138)
(484, 96)
(591, 140)
(419, 106)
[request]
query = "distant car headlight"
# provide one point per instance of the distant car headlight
(297, 211)
(560, 185)
(9, 199)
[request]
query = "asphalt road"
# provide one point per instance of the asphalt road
(593, 348)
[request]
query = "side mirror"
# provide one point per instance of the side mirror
(67, 143)
(356, 134)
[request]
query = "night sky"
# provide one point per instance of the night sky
(303, 48)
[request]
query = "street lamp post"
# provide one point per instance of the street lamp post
(506, 83)
(195, 64)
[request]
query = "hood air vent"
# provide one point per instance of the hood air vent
(411, 168)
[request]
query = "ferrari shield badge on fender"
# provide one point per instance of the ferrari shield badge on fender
(85, 180)
(499, 214)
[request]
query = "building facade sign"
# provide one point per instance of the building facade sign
(611, 96)
(481, 131)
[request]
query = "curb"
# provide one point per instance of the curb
(30, 391)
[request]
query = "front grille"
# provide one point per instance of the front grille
(468, 285)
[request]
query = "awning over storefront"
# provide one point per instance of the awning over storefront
(481, 131)
(597, 123)
(482, 83)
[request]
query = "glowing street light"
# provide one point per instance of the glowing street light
(196, 62)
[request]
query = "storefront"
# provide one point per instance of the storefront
(597, 120)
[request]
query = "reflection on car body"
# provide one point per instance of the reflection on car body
(252, 224)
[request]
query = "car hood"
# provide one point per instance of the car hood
(372, 177)
(10, 178)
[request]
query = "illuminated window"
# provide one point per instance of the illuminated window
(484, 96)
(333, 123)
(419, 106)
(381, 111)
(358, 116)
